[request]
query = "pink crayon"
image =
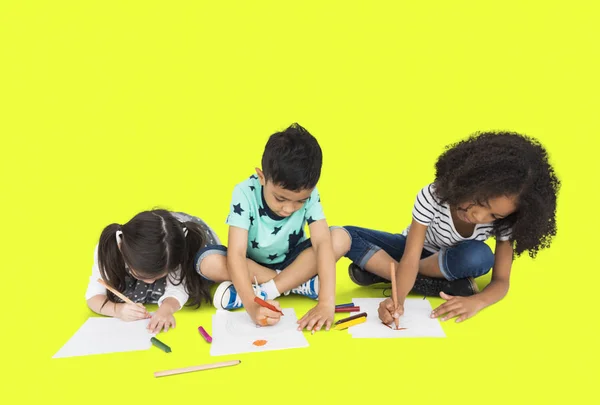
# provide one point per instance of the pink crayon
(204, 334)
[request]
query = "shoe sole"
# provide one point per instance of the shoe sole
(377, 285)
(350, 273)
(474, 286)
(219, 293)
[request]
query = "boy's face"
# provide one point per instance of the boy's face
(281, 201)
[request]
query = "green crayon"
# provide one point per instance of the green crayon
(160, 345)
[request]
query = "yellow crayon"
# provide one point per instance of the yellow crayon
(350, 323)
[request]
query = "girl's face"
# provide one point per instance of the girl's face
(143, 279)
(491, 210)
(135, 275)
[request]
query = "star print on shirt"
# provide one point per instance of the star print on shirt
(276, 230)
(310, 220)
(262, 212)
(252, 188)
(251, 220)
(254, 244)
(272, 257)
(294, 238)
(254, 176)
(237, 208)
(288, 255)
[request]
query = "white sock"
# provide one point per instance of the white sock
(271, 289)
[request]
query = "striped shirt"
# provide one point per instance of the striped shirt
(441, 232)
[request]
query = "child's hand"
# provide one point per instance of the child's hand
(131, 312)
(162, 319)
(387, 311)
(321, 314)
(264, 316)
(463, 307)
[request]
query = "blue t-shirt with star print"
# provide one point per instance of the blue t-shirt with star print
(270, 237)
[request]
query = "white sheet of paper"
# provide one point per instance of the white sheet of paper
(416, 320)
(235, 332)
(107, 335)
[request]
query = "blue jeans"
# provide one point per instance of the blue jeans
(467, 259)
(222, 250)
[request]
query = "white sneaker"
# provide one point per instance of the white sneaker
(226, 296)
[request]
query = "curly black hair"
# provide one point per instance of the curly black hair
(493, 164)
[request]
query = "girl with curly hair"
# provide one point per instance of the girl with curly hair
(492, 184)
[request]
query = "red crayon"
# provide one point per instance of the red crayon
(265, 304)
(347, 309)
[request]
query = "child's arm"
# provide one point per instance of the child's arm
(163, 318)
(323, 312)
(172, 301)
(98, 302)
(100, 305)
(406, 272)
(466, 307)
(498, 286)
(238, 271)
(408, 267)
(126, 312)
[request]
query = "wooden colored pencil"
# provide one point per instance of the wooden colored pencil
(196, 368)
(394, 292)
(115, 292)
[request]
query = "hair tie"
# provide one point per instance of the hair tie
(118, 236)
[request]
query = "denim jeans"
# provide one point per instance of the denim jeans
(466, 259)
(222, 250)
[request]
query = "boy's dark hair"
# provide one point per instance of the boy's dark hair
(153, 242)
(493, 164)
(292, 159)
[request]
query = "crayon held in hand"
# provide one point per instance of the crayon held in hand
(265, 304)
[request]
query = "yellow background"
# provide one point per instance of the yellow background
(113, 107)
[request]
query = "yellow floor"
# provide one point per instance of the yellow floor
(112, 107)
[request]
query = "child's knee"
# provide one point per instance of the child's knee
(480, 258)
(211, 264)
(341, 241)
